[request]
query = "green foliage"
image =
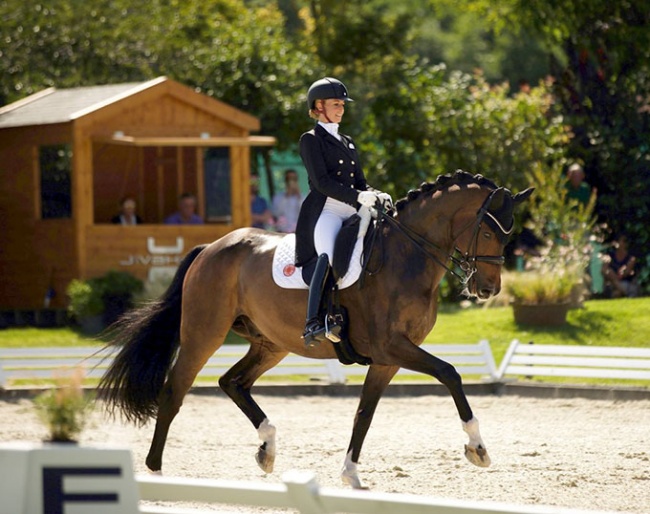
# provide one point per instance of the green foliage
(89, 297)
(64, 410)
(424, 122)
(539, 288)
(565, 226)
(85, 300)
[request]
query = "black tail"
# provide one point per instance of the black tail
(149, 339)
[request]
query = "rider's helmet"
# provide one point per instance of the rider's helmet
(326, 88)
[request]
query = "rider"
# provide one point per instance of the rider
(337, 188)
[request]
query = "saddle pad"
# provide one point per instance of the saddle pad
(288, 276)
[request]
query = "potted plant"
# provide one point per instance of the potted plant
(98, 302)
(540, 298)
(64, 409)
(118, 291)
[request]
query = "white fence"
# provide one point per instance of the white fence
(611, 362)
(301, 492)
(28, 364)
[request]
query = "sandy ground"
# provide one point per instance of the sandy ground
(579, 453)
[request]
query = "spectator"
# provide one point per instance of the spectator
(286, 205)
(186, 214)
(127, 215)
(261, 214)
(618, 269)
(577, 188)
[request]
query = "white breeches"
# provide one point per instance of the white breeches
(328, 225)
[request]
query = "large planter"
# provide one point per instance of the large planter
(549, 314)
(53, 478)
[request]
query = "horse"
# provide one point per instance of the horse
(227, 285)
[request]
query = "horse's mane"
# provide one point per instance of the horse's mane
(459, 178)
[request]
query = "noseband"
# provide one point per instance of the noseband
(468, 260)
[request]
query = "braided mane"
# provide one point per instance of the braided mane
(460, 178)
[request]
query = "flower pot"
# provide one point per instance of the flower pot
(550, 314)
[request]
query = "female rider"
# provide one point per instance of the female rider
(337, 189)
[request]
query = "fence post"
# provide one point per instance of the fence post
(302, 488)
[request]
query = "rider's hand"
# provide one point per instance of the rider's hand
(367, 198)
(385, 200)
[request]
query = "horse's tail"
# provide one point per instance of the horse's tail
(149, 340)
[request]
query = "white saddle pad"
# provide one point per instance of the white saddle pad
(287, 275)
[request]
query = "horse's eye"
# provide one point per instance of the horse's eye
(487, 235)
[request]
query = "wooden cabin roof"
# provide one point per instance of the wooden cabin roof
(54, 105)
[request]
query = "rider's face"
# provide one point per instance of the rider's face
(332, 109)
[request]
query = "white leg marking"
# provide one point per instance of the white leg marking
(266, 433)
(475, 450)
(471, 428)
(265, 456)
(349, 473)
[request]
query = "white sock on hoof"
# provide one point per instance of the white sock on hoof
(471, 429)
(266, 433)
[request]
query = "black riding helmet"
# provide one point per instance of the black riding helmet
(325, 89)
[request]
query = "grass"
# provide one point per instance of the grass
(621, 322)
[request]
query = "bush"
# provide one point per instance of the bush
(110, 295)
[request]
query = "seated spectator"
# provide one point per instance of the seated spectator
(186, 214)
(127, 215)
(577, 188)
(260, 213)
(618, 270)
(286, 204)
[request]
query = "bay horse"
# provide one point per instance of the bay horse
(228, 285)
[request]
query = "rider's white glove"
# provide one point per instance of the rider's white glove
(386, 200)
(367, 198)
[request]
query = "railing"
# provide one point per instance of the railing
(29, 364)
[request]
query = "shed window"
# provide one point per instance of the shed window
(218, 207)
(55, 164)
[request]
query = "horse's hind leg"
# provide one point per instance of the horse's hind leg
(376, 381)
(237, 383)
(190, 361)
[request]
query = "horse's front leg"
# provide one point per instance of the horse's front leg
(375, 384)
(409, 356)
(237, 383)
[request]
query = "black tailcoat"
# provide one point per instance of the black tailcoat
(334, 171)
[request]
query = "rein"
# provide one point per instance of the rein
(466, 262)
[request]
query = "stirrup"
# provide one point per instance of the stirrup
(314, 334)
(332, 329)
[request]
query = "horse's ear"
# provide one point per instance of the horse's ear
(498, 197)
(523, 195)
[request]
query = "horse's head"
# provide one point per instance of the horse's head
(480, 236)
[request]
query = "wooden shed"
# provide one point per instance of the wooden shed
(67, 157)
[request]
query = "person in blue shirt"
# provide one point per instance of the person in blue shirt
(260, 211)
(186, 214)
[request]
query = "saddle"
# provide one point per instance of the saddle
(355, 235)
(347, 262)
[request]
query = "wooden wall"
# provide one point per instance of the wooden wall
(34, 253)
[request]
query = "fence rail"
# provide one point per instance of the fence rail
(300, 491)
(28, 364)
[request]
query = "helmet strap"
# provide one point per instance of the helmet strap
(323, 111)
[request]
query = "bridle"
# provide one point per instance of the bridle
(468, 260)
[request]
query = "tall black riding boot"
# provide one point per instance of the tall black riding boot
(314, 328)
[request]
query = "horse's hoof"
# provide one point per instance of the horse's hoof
(353, 480)
(265, 460)
(477, 456)
(152, 472)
